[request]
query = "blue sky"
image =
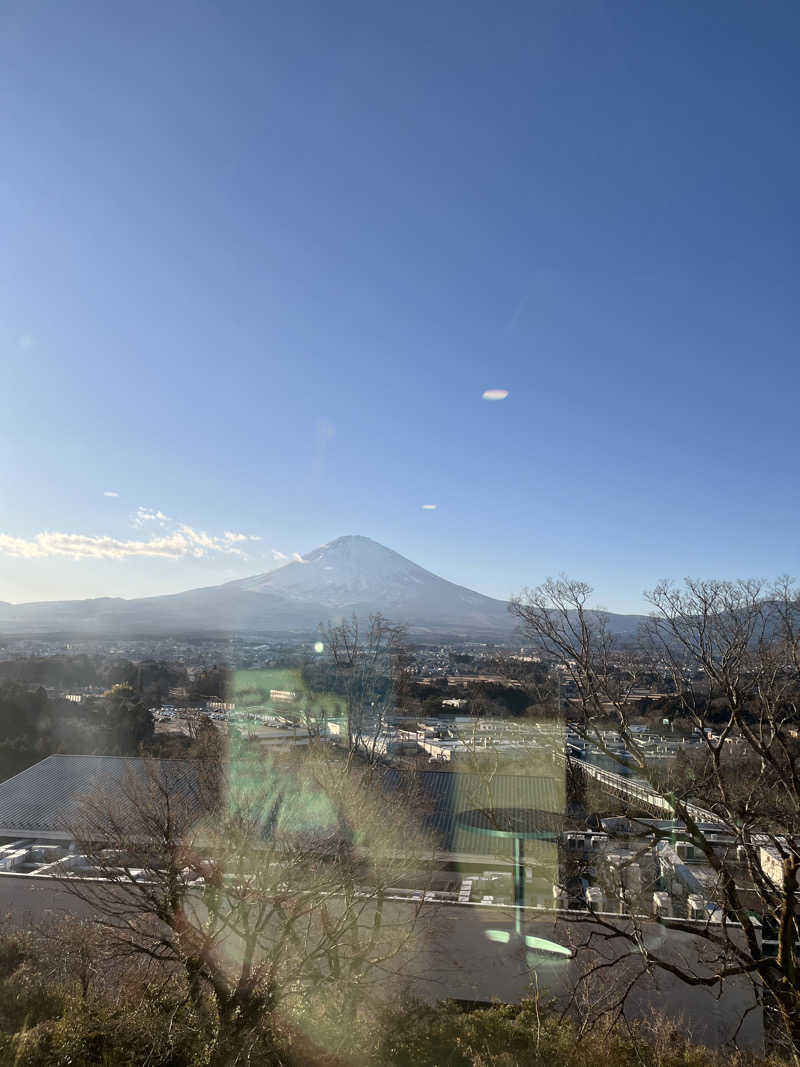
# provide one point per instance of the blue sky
(260, 261)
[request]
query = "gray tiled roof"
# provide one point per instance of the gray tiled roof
(45, 799)
(446, 795)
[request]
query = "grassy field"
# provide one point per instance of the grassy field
(251, 690)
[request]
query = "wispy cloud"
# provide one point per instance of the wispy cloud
(182, 542)
(25, 343)
(110, 492)
(294, 557)
(144, 515)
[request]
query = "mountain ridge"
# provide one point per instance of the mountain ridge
(350, 575)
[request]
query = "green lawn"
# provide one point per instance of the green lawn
(251, 689)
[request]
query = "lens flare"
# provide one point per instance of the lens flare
(319, 647)
(548, 948)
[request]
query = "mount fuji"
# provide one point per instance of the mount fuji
(351, 575)
(357, 575)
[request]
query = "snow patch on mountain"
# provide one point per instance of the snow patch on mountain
(355, 570)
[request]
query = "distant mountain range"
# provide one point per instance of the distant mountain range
(349, 575)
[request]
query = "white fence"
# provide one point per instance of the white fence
(635, 789)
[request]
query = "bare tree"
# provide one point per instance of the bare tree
(731, 651)
(264, 886)
(367, 662)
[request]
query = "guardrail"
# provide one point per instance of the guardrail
(637, 790)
